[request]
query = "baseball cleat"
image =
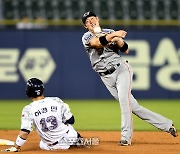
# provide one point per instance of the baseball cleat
(124, 143)
(172, 131)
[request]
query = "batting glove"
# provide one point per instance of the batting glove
(11, 149)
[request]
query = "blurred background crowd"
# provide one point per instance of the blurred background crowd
(44, 13)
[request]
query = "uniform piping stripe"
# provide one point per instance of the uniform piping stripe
(129, 99)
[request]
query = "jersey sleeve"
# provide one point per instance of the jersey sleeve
(86, 39)
(66, 113)
(27, 118)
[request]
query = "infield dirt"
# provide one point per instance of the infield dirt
(142, 143)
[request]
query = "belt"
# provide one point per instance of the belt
(57, 141)
(110, 71)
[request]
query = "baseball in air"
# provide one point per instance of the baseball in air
(97, 29)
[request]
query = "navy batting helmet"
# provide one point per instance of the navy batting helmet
(34, 88)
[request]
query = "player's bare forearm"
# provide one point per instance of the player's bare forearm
(120, 34)
(19, 142)
(23, 134)
(95, 42)
(120, 42)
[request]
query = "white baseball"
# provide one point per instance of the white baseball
(97, 29)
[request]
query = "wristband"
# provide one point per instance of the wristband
(103, 40)
(124, 47)
(20, 141)
(25, 130)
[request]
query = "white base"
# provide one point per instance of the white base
(6, 142)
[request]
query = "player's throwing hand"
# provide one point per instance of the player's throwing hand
(120, 33)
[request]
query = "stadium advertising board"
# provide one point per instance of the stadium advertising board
(59, 59)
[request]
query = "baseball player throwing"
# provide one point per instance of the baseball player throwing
(50, 116)
(102, 47)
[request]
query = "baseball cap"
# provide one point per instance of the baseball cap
(86, 15)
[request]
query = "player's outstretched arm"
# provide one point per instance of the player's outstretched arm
(21, 139)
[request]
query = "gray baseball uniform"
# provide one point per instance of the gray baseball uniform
(117, 74)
